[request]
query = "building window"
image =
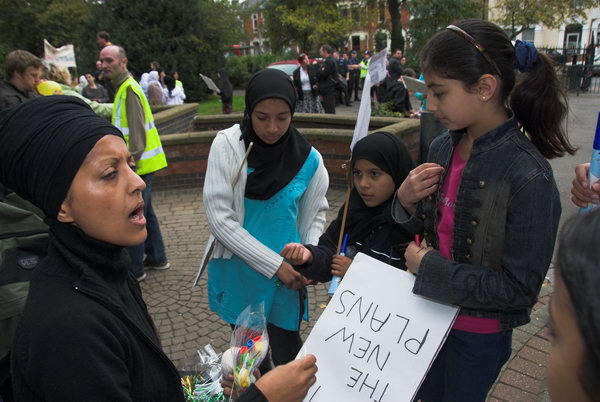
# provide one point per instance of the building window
(528, 35)
(345, 12)
(381, 12)
(254, 23)
(355, 14)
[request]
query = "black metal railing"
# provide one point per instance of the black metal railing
(578, 67)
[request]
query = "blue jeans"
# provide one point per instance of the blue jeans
(466, 367)
(153, 247)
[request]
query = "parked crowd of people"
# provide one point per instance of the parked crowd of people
(485, 204)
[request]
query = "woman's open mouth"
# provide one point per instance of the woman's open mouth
(137, 216)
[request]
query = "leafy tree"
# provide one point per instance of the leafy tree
(305, 22)
(25, 24)
(429, 16)
(519, 15)
(189, 36)
(396, 34)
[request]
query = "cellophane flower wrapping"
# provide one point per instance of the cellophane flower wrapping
(201, 376)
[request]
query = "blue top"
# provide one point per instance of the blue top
(233, 284)
(597, 136)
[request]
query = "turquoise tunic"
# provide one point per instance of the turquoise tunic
(233, 284)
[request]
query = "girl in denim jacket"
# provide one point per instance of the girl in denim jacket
(486, 201)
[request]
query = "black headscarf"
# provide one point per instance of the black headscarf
(275, 165)
(43, 142)
(387, 152)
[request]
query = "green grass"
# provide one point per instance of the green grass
(213, 105)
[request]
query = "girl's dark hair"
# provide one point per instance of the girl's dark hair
(169, 83)
(579, 266)
(301, 57)
(536, 98)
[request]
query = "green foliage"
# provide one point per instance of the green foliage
(240, 68)
(429, 16)
(385, 110)
(185, 35)
(308, 23)
(518, 15)
(189, 36)
(25, 24)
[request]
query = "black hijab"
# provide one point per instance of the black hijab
(275, 165)
(43, 142)
(388, 152)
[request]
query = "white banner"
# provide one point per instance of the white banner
(376, 340)
(376, 74)
(210, 84)
(64, 56)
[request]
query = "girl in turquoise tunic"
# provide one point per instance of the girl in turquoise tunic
(256, 206)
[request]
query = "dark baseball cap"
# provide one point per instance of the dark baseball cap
(368, 52)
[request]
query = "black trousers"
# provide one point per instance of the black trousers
(329, 103)
(353, 84)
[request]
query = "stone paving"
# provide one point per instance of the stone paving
(186, 324)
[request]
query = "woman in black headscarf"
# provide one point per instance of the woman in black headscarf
(226, 91)
(380, 163)
(85, 333)
(255, 206)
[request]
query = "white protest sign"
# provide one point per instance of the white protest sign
(376, 73)
(63, 56)
(210, 83)
(375, 340)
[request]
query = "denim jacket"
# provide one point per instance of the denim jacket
(506, 219)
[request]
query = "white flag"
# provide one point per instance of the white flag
(64, 56)
(376, 74)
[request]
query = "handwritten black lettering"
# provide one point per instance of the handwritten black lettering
(314, 393)
(360, 373)
(344, 337)
(382, 394)
(358, 303)
(375, 351)
(376, 320)
(342, 301)
(371, 387)
(420, 343)
(368, 342)
(403, 329)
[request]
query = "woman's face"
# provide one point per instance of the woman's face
(271, 119)
(105, 198)
(566, 356)
(373, 184)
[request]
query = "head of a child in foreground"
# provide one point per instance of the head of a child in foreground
(574, 364)
(380, 163)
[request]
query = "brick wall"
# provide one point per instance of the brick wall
(187, 153)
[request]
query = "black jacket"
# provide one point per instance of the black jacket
(387, 243)
(85, 334)
(328, 76)
(10, 96)
(312, 76)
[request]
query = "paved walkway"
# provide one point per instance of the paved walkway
(186, 324)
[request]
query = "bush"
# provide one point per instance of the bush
(240, 68)
(385, 110)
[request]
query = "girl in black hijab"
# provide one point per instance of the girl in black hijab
(255, 205)
(85, 333)
(380, 163)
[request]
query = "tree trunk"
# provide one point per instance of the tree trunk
(396, 34)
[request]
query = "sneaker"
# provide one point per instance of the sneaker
(158, 266)
(141, 277)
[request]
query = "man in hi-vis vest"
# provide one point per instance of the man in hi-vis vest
(132, 115)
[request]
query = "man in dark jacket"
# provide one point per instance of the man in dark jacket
(327, 79)
(22, 71)
(395, 68)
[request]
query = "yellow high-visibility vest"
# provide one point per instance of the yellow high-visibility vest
(153, 158)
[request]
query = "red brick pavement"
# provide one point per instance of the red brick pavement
(523, 378)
